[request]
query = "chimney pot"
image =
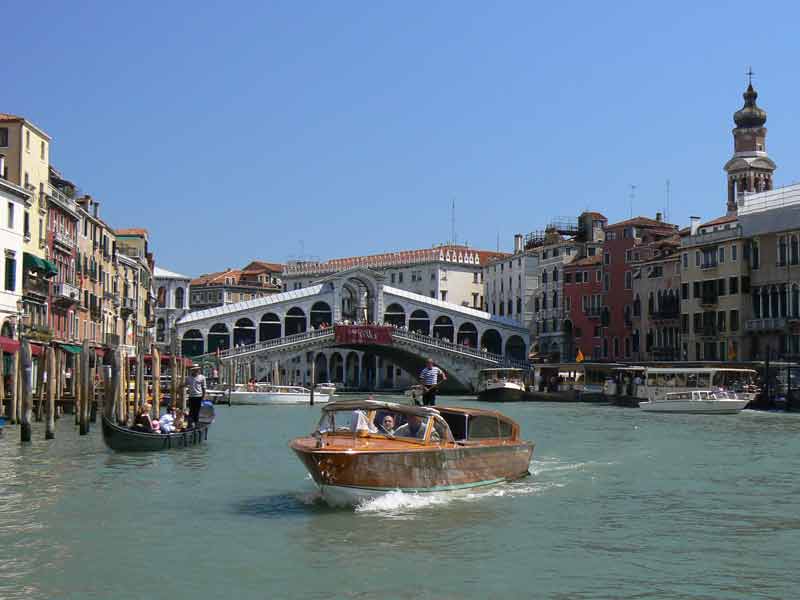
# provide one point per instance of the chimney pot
(658, 216)
(518, 243)
(694, 225)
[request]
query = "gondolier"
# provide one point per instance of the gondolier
(429, 377)
(196, 385)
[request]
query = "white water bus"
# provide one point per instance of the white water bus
(501, 385)
(660, 381)
(707, 402)
(266, 393)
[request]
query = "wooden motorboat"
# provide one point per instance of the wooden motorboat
(125, 439)
(354, 455)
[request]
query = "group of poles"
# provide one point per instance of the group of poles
(119, 387)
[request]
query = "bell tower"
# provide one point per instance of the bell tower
(750, 169)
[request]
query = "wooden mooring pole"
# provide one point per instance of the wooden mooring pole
(313, 379)
(155, 361)
(14, 385)
(27, 394)
(52, 387)
(83, 385)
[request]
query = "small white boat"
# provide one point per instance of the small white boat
(265, 393)
(501, 385)
(327, 388)
(697, 401)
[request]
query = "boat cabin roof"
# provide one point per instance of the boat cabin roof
(696, 369)
(408, 409)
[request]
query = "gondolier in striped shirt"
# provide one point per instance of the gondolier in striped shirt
(430, 382)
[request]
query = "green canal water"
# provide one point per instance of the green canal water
(619, 504)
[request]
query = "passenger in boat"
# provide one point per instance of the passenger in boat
(414, 428)
(196, 383)
(142, 421)
(167, 420)
(251, 385)
(387, 424)
(360, 422)
(180, 420)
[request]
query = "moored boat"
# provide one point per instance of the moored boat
(501, 385)
(365, 448)
(265, 393)
(696, 401)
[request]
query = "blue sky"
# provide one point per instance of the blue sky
(277, 130)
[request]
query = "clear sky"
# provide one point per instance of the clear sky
(278, 130)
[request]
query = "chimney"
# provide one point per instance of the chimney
(518, 243)
(95, 208)
(2, 166)
(694, 225)
(658, 217)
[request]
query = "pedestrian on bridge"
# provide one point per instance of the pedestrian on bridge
(430, 379)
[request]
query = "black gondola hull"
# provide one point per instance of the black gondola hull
(122, 439)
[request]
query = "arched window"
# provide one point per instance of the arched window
(179, 297)
(519, 306)
(544, 301)
(160, 330)
(555, 299)
(795, 301)
(756, 303)
(544, 276)
(510, 307)
(162, 297)
(795, 250)
(637, 306)
(774, 304)
(651, 304)
(555, 274)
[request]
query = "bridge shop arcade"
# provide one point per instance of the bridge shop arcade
(279, 337)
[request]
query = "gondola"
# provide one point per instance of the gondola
(123, 439)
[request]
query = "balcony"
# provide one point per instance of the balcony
(779, 324)
(128, 306)
(39, 333)
(111, 339)
(66, 240)
(38, 286)
(666, 313)
(701, 239)
(709, 264)
(66, 293)
(593, 312)
(59, 198)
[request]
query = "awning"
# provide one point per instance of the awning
(100, 351)
(8, 345)
(36, 349)
(71, 348)
(33, 263)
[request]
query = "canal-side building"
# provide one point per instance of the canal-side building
(583, 302)
(62, 229)
(14, 199)
(771, 222)
(622, 248)
(172, 302)
(715, 281)
(256, 280)
(655, 316)
(134, 244)
(451, 273)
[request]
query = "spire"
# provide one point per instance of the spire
(750, 115)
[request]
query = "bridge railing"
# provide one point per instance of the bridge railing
(273, 343)
(459, 348)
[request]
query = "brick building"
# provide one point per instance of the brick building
(583, 298)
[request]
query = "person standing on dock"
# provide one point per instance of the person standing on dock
(430, 382)
(196, 384)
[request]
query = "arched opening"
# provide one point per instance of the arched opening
(179, 297)
(395, 315)
(218, 337)
(352, 371)
(795, 301)
(321, 314)
(515, 348)
(7, 330)
(419, 322)
(321, 368)
(336, 368)
(443, 328)
(160, 330)
(492, 342)
(244, 333)
(192, 343)
(161, 297)
(359, 300)
(295, 321)
(269, 328)
(468, 335)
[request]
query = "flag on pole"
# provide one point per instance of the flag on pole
(579, 357)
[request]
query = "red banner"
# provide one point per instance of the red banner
(363, 334)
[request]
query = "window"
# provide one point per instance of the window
(392, 276)
(3, 137)
(597, 275)
(721, 320)
(606, 258)
(721, 287)
(578, 277)
(592, 251)
(433, 293)
(28, 141)
(733, 285)
(41, 151)
(606, 282)
(697, 256)
(745, 284)
(685, 260)
(400, 277)
(11, 215)
(444, 295)
(755, 255)
(26, 224)
(567, 277)
(696, 289)
(734, 252)
(734, 320)
(11, 274)
(721, 254)
(782, 251)
(628, 280)
(684, 291)
(684, 323)
(475, 277)
(698, 322)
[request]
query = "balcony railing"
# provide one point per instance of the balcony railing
(712, 237)
(111, 339)
(778, 324)
(128, 304)
(66, 292)
(61, 199)
(37, 285)
(64, 239)
(593, 312)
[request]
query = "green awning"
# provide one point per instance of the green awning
(33, 263)
(71, 348)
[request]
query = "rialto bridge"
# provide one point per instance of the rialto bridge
(282, 335)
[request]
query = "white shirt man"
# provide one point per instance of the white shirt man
(430, 378)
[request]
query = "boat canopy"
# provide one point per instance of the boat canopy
(407, 409)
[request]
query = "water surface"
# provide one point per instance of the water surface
(620, 504)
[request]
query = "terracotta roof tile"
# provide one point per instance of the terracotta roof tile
(587, 261)
(7, 118)
(721, 220)
(642, 222)
(131, 231)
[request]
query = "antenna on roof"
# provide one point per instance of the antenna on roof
(666, 207)
(498, 241)
(453, 223)
(632, 196)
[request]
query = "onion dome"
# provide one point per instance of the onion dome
(750, 115)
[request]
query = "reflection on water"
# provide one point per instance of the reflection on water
(619, 504)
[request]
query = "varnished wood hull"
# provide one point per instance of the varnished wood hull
(368, 472)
